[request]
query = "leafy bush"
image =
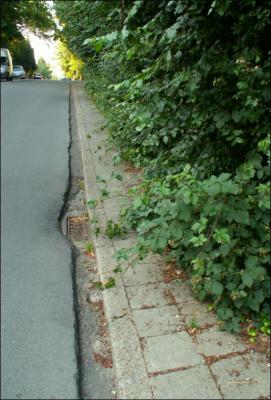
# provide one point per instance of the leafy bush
(185, 87)
(216, 229)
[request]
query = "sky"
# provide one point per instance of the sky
(47, 50)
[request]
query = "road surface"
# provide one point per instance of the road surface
(38, 357)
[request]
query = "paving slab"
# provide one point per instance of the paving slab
(128, 241)
(118, 302)
(181, 292)
(214, 342)
(157, 321)
(194, 312)
(193, 383)
(243, 377)
(104, 257)
(147, 296)
(132, 378)
(143, 273)
(168, 352)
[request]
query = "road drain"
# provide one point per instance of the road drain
(77, 228)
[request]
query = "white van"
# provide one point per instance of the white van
(6, 65)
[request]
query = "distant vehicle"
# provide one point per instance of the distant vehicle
(37, 76)
(6, 65)
(18, 72)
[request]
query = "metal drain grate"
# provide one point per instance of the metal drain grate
(77, 228)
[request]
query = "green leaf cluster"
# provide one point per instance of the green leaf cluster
(17, 15)
(185, 86)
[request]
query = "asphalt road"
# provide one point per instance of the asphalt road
(38, 357)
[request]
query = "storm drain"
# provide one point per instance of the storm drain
(77, 228)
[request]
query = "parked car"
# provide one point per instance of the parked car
(37, 76)
(6, 65)
(18, 72)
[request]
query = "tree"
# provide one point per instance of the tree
(81, 19)
(23, 54)
(44, 69)
(17, 15)
(70, 64)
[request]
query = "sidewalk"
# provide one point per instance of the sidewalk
(165, 345)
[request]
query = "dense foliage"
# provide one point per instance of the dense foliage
(22, 54)
(185, 86)
(17, 15)
(71, 65)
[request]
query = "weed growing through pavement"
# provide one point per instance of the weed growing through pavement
(193, 324)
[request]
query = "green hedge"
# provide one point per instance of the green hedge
(185, 86)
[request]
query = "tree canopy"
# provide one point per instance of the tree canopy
(22, 54)
(70, 64)
(20, 14)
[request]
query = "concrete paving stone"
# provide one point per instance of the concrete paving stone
(142, 274)
(215, 342)
(112, 211)
(102, 240)
(167, 352)
(157, 321)
(91, 173)
(147, 296)
(92, 190)
(103, 173)
(181, 291)
(105, 262)
(91, 118)
(100, 214)
(132, 379)
(243, 377)
(98, 135)
(86, 154)
(96, 140)
(192, 383)
(101, 157)
(153, 258)
(193, 311)
(115, 186)
(127, 242)
(117, 201)
(117, 299)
